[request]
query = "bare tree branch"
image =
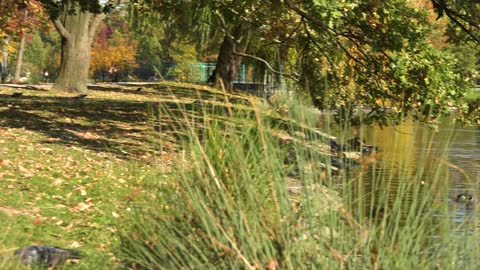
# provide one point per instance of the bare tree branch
(441, 8)
(61, 29)
(100, 17)
(225, 28)
(293, 76)
(94, 25)
(452, 17)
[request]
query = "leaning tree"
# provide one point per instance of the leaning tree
(76, 21)
(237, 21)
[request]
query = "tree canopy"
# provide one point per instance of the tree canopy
(395, 57)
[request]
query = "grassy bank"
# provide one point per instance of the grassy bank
(179, 176)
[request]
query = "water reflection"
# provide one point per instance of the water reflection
(415, 153)
(407, 145)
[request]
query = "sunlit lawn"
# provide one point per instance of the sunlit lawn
(70, 168)
(180, 176)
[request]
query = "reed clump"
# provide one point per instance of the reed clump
(242, 197)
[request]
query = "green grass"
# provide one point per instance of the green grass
(59, 195)
(232, 204)
(155, 180)
(70, 170)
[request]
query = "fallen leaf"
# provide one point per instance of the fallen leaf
(88, 135)
(22, 169)
(272, 265)
(5, 162)
(82, 190)
(26, 173)
(75, 244)
(101, 247)
(37, 221)
(83, 206)
(68, 227)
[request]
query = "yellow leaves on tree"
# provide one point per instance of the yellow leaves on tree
(117, 52)
(116, 56)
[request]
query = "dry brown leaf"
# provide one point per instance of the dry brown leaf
(22, 169)
(58, 182)
(272, 265)
(75, 244)
(10, 211)
(25, 172)
(88, 135)
(83, 206)
(68, 227)
(101, 247)
(39, 166)
(82, 190)
(28, 174)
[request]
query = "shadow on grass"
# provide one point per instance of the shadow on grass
(123, 128)
(180, 91)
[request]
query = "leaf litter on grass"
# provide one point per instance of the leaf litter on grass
(64, 192)
(70, 169)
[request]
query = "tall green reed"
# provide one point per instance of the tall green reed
(241, 196)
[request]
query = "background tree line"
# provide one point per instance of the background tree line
(418, 57)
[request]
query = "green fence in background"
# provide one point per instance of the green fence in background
(200, 72)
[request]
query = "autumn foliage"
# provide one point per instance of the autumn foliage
(28, 17)
(22, 17)
(114, 48)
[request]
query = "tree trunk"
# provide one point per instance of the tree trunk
(18, 64)
(77, 30)
(21, 49)
(228, 62)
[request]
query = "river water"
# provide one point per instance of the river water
(411, 144)
(411, 147)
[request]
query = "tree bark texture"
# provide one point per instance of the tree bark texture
(21, 49)
(228, 62)
(77, 31)
(18, 64)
